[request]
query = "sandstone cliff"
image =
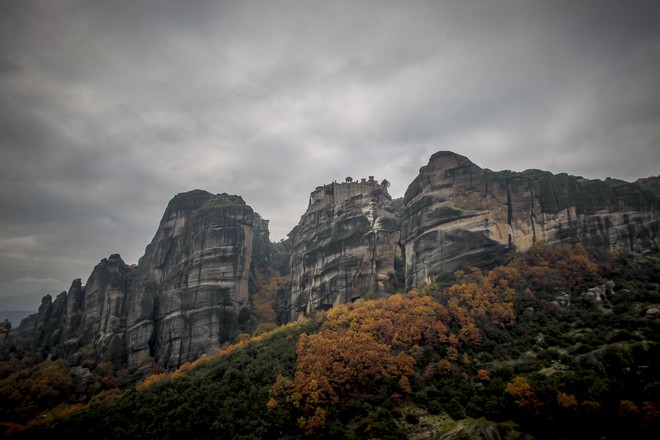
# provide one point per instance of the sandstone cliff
(88, 318)
(194, 286)
(458, 214)
(192, 282)
(183, 298)
(344, 246)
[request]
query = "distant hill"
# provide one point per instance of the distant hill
(15, 316)
(26, 301)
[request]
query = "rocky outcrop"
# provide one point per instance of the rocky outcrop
(183, 299)
(458, 214)
(191, 291)
(192, 282)
(89, 318)
(344, 246)
(651, 183)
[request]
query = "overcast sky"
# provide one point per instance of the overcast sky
(110, 108)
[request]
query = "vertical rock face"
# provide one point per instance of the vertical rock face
(458, 214)
(344, 246)
(190, 290)
(183, 298)
(91, 316)
(104, 320)
(192, 282)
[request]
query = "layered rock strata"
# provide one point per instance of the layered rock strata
(183, 298)
(458, 214)
(192, 282)
(90, 316)
(191, 290)
(344, 246)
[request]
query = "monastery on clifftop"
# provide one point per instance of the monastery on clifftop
(332, 193)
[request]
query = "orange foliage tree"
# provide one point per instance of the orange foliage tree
(567, 401)
(483, 298)
(523, 394)
(549, 267)
(369, 343)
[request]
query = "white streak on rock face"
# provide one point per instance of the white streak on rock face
(184, 296)
(457, 214)
(193, 280)
(182, 300)
(344, 246)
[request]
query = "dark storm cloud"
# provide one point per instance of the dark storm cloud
(108, 109)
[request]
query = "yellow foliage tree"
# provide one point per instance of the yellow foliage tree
(523, 394)
(371, 342)
(567, 401)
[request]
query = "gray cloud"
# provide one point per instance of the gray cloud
(109, 109)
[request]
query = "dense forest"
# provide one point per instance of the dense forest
(560, 343)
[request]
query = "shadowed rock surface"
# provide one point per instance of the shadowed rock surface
(183, 298)
(343, 247)
(458, 214)
(192, 282)
(192, 289)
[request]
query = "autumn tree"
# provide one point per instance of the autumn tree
(373, 345)
(523, 394)
(484, 298)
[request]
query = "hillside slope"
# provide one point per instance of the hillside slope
(526, 350)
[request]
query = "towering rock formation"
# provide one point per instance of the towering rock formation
(344, 246)
(191, 290)
(183, 298)
(192, 282)
(90, 317)
(458, 214)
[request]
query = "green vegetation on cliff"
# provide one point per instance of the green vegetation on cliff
(561, 191)
(557, 336)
